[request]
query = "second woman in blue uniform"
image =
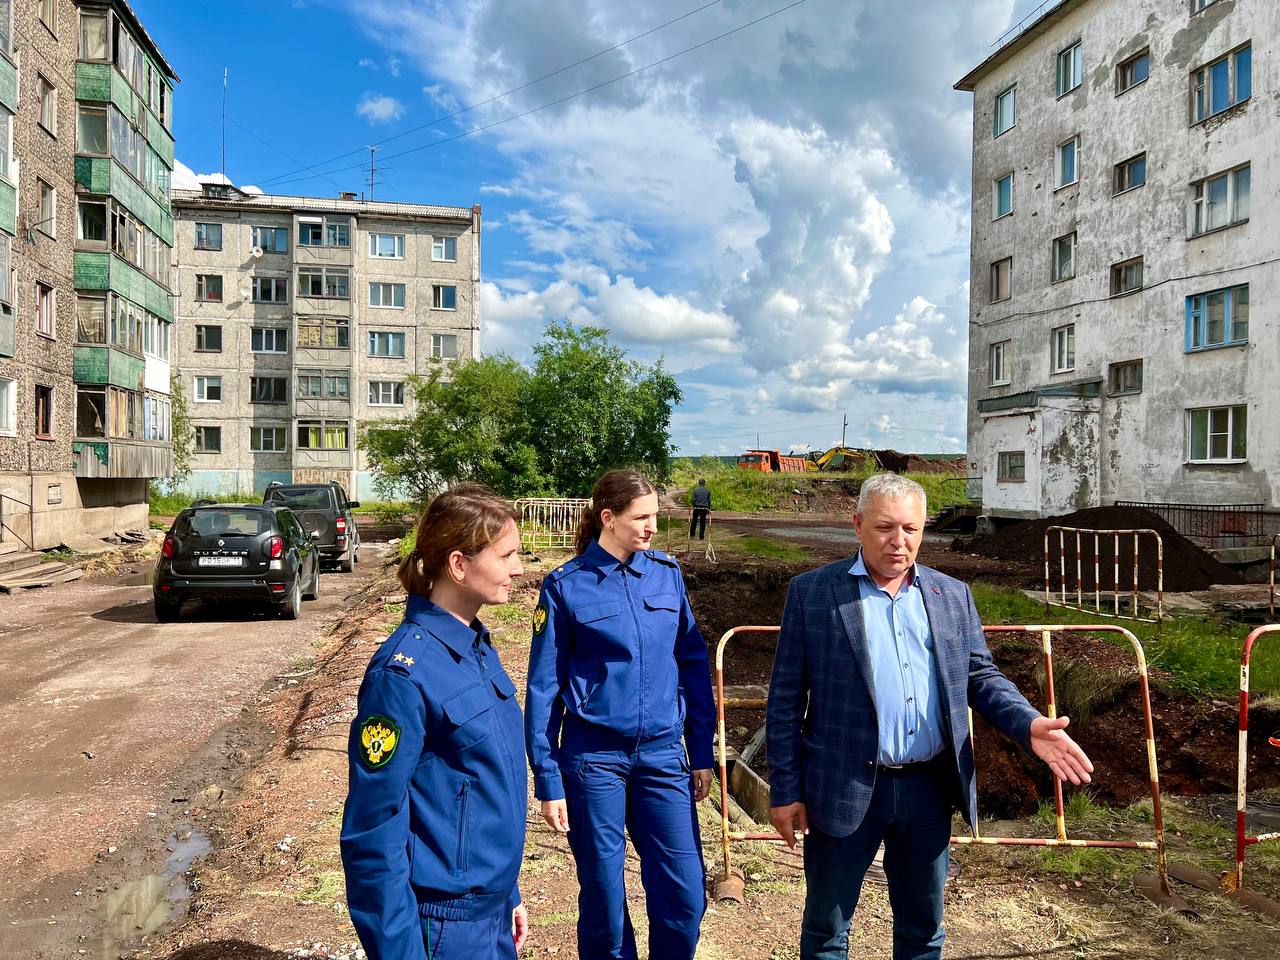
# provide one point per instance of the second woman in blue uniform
(618, 724)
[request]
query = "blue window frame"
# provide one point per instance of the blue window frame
(1218, 318)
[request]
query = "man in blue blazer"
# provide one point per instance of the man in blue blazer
(878, 661)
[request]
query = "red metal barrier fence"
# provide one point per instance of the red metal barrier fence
(1131, 590)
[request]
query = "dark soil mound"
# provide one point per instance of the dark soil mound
(1186, 566)
(228, 950)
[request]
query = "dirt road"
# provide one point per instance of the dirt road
(120, 739)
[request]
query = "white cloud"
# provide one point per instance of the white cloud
(439, 94)
(184, 178)
(378, 108)
(368, 63)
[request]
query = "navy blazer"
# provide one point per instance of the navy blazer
(825, 756)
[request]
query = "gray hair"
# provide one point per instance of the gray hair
(893, 487)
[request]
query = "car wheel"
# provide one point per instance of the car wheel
(314, 590)
(291, 608)
(348, 563)
(167, 612)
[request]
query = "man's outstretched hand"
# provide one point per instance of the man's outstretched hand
(1049, 742)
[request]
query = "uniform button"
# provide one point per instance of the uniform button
(910, 699)
(911, 733)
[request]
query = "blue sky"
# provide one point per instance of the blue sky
(783, 214)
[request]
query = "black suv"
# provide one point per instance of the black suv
(322, 508)
(231, 551)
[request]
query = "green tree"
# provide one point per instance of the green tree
(468, 427)
(591, 408)
(184, 437)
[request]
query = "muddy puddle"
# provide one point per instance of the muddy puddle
(141, 907)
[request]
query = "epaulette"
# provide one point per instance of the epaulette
(566, 568)
(664, 558)
(405, 648)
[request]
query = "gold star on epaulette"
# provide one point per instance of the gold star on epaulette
(401, 658)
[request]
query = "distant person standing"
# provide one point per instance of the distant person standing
(701, 510)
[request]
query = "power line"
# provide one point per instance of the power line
(235, 122)
(572, 96)
(505, 94)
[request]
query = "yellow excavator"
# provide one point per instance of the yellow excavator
(842, 459)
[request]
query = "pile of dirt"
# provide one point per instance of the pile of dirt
(1186, 566)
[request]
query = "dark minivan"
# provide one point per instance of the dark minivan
(323, 509)
(230, 551)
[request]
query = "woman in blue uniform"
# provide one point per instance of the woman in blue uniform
(433, 831)
(618, 724)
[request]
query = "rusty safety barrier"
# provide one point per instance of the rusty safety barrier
(1231, 883)
(1115, 535)
(1156, 888)
(549, 523)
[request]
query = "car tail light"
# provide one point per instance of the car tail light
(277, 548)
(277, 588)
(340, 525)
(166, 548)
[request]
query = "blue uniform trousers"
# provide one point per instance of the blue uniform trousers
(649, 791)
(910, 812)
(487, 939)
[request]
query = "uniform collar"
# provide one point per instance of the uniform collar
(859, 569)
(607, 563)
(444, 626)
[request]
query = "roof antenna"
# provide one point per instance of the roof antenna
(224, 122)
(373, 169)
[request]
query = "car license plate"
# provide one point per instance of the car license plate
(220, 561)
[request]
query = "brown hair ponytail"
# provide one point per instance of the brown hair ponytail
(614, 492)
(466, 518)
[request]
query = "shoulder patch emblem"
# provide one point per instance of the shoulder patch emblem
(540, 618)
(379, 737)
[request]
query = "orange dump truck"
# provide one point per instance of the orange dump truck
(771, 461)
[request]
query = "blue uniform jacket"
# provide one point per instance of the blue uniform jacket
(616, 647)
(435, 816)
(821, 728)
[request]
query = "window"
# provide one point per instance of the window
(319, 232)
(91, 130)
(324, 384)
(1002, 197)
(1218, 434)
(386, 246)
(386, 295)
(1125, 377)
(386, 393)
(1069, 162)
(1001, 275)
(385, 344)
(8, 406)
(321, 435)
(1222, 84)
(444, 248)
(1198, 5)
(1064, 258)
(444, 346)
(93, 36)
(208, 439)
(267, 389)
(1220, 201)
(91, 319)
(444, 297)
(1133, 71)
(46, 311)
(1062, 348)
(6, 26)
(91, 412)
(1129, 174)
(209, 287)
(1069, 69)
(44, 411)
(47, 215)
(269, 340)
(47, 98)
(1006, 110)
(271, 239)
(323, 282)
(268, 439)
(1218, 318)
(208, 338)
(270, 290)
(91, 222)
(209, 389)
(1011, 466)
(335, 284)
(208, 236)
(6, 137)
(1000, 362)
(319, 332)
(1126, 277)
(49, 15)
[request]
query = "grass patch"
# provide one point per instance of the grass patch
(388, 511)
(1077, 863)
(541, 919)
(325, 886)
(754, 546)
(507, 614)
(169, 504)
(1082, 814)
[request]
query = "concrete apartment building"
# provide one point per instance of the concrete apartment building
(299, 318)
(85, 155)
(1124, 257)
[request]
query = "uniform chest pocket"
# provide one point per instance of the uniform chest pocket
(503, 686)
(466, 715)
(595, 612)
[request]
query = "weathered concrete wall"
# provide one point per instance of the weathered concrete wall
(1140, 448)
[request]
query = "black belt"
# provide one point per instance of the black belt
(906, 769)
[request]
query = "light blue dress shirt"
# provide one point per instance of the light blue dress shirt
(903, 667)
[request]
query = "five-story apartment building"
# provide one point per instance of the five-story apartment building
(1124, 256)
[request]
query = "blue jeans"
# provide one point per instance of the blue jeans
(910, 812)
